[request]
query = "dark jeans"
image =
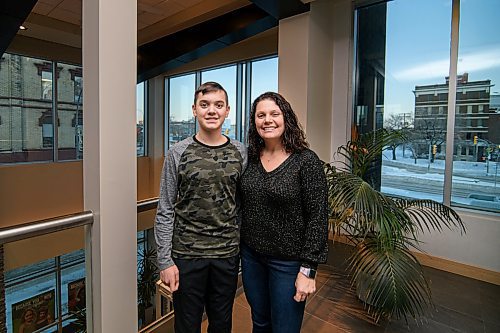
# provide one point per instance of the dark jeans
(269, 286)
(205, 283)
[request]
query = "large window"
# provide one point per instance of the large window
(243, 82)
(261, 71)
(476, 181)
(39, 124)
(181, 122)
(52, 292)
(226, 76)
(403, 75)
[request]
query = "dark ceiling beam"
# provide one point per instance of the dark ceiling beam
(197, 41)
(280, 9)
(12, 14)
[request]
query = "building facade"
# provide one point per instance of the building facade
(472, 122)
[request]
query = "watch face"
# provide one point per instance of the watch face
(312, 273)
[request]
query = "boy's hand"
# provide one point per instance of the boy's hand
(170, 276)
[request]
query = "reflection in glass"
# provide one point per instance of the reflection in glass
(225, 76)
(141, 130)
(476, 178)
(181, 122)
(26, 122)
(70, 112)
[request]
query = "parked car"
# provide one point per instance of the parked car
(484, 200)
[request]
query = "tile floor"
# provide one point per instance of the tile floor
(461, 305)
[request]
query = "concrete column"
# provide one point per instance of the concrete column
(109, 160)
(293, 62)
(342, 19)
(314, 72)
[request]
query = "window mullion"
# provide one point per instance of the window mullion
(239, 96)
(55, 115)
(452, 95)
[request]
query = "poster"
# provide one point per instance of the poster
(76, 295)
(33, 313)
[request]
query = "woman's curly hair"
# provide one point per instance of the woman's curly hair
(293, 139)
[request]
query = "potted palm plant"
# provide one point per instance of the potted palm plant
(147, 275)
(382, 229)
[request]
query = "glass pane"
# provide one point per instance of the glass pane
(225, 76)
(73, 288)
(70, 112)
(73, 257)
(477, 134)
(141, 106)
(264, 78)
(404, 81)
(31, 304)
(29, 271)
(181, 122)
(26, 134)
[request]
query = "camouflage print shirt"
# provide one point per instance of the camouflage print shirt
(196, 216)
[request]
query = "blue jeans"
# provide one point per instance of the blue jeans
(269, 285)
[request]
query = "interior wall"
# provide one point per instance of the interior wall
(37, 191)
(479, 246)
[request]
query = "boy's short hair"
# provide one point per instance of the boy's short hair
(209, 87)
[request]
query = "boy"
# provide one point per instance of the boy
(195, 229)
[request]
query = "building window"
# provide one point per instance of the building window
(45, 121)
(78, 90)
(46, 85)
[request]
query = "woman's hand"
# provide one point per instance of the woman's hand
(304, 287)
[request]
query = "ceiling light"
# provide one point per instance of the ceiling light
(22, 27)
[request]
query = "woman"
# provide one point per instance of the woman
(284, 228)
(28, 321)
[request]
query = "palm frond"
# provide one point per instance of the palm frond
(391, 282)
(383, 229)
(429, 215)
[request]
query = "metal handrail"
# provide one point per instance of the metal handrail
(43, 227)
(147, 204)
(47, 226)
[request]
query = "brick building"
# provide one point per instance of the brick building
(472, 123)
(26, 109)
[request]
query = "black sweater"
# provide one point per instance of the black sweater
(285, 211)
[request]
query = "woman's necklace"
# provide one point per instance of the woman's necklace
(273, 155)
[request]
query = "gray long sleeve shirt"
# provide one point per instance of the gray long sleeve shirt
(196, 216)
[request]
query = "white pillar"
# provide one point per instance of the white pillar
(343, 57)
(314, 70)
(109, 163)
(293, 62)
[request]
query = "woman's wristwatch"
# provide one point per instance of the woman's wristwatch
(309, 272)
